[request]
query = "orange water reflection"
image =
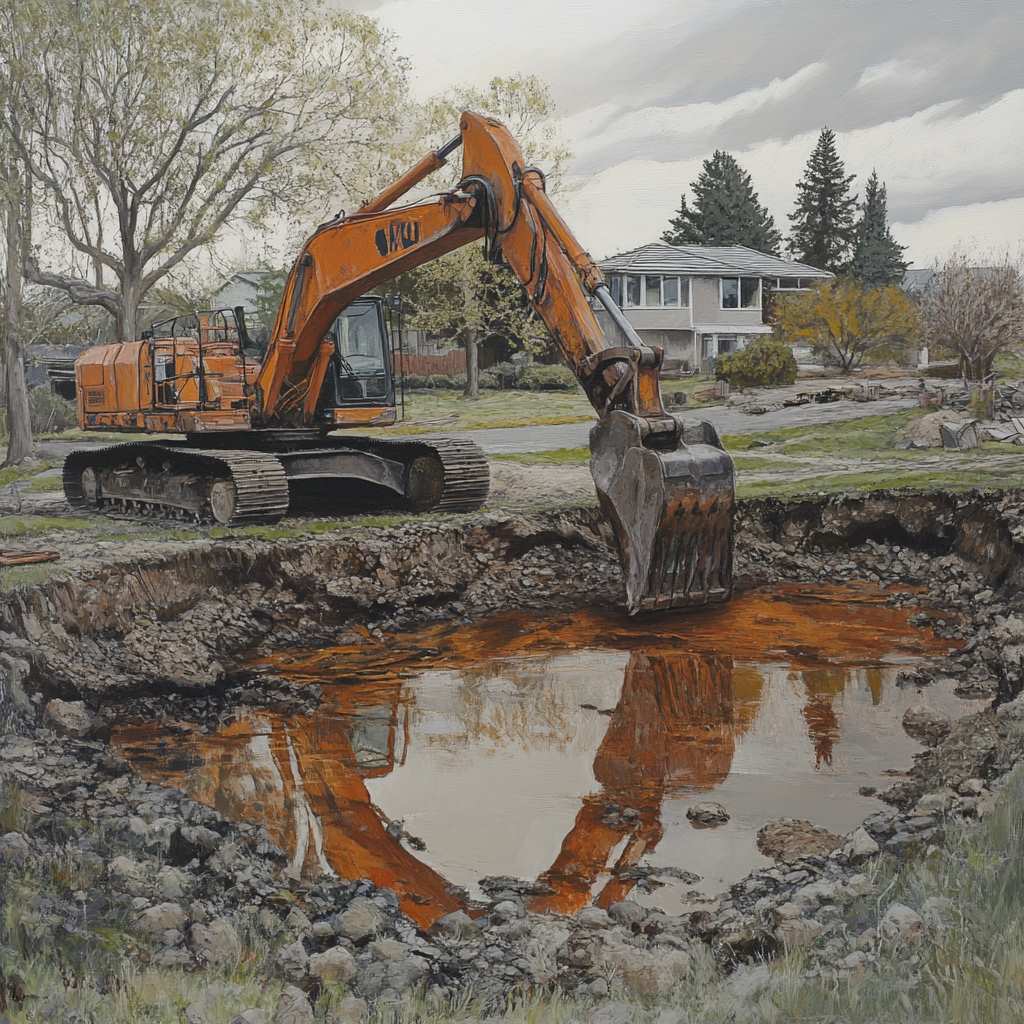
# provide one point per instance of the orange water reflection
(564, 747)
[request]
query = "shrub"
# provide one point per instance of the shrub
(490, 380)
(48, 412)
(547, 378)
(433, 381)
(762, 363)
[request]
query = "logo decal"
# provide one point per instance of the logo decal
(399, 234)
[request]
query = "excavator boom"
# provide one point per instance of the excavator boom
(666, 486)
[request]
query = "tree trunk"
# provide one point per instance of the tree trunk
(128, 317)
(19, 424)
(472, 365)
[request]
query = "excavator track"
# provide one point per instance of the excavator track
(232, 488)
(466, 475)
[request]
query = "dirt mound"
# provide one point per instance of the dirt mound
(924, 432)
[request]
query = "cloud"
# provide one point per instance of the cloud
(981, 228)
(894, 73)
(936, 158)
(616, 129)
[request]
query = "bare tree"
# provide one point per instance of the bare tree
(974, 311)
(15, 199)
(152, 127)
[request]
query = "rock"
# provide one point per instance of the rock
(194, 1015)
(216, 943)
(860, 847)
(251, 1017)
(456, 925)
(293, 1007)
(390, 979)
(191, 842)
(362, 920)
(14, 848)
(335, 966)
(388, 949)
(613, 1013)
(127, 875)
(940, 802)
(595, 918)
(161, 918)
(627, 913)
(789, 839)
(351, 1010)
(507, 910)
(926, 725)
(172, 883)
(648, 974)
(798, 931)
(291, 962)
(972, 787)
(69, 718)
(856, 961)
(707, 814)
(901, 924)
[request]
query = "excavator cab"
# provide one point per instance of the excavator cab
(361, 370)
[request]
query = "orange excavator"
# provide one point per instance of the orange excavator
(258, 434)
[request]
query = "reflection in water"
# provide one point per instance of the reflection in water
(573, 766)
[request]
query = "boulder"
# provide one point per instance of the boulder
(860, 846)
(253, 1016)
(191, 842)
(361, 920)
(794, 932)
(163, 917)
(595, 918)
(901, 924)
(291, 962)
(351, 1010)
(14, 848)
(69, 718)
(648, 974)
(707, 814)
(293, 1007)
(926, 725)
(172, 883)
(627, 913)
(335, 966)
(456, 925)
(216, 943)
(789, 839)
(613, 1013)
(127, 875)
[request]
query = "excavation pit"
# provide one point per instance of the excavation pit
(566, 750)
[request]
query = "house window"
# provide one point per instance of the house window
(741, 292)
(727, 343)
(616, 289)
(670, 291)
(652, 290)
(633, 289)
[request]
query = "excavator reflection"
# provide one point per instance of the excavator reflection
(674, 728)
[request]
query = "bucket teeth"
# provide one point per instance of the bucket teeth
(671, 510)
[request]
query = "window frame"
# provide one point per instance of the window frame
(684, 291)
(739, 278)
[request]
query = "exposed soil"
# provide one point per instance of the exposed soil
(163, 631)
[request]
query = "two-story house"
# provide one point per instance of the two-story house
(699, 301)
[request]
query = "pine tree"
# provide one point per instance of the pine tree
(726, 210)
(877, 257)
(823, 232)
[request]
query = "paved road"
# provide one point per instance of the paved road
(576, 435)
(725, 419)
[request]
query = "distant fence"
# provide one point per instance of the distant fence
(451, 364)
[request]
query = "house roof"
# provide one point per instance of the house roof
(712, 260)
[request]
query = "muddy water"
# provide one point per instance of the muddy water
(567, 749)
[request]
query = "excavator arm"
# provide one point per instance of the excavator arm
(666, 486)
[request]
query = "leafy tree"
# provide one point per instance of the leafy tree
(849, 324)
(877, 256)
(461, 295)
(974, 311)
(152, 127)
(823, 230)
(726, 210)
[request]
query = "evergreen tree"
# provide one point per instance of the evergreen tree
(823, 232)
(726, 210)
(877, 257)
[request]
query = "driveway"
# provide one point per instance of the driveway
(724, 419)
(504, 440)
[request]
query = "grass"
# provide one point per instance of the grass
(15, 474)
(36, 526)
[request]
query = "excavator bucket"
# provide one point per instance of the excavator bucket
(671, 510)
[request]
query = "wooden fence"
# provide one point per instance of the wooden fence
(451, 364)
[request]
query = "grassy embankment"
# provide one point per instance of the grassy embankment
(855, 455)
(62, 952)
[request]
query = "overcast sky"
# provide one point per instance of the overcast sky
(931, 92)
